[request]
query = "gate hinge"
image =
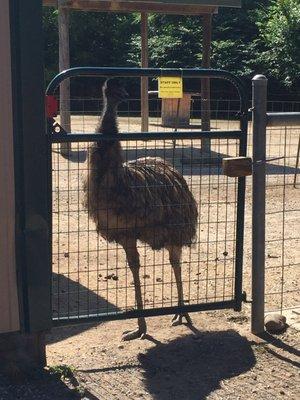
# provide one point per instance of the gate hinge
(244, 298)
(57, 128)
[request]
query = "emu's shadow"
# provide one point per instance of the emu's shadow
(273, 169)
(188, 160)
(191, 367)
(76, 156)
(71, 299)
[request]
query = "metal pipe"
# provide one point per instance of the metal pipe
(283, 119)
(259, 113)
(297, 164)
(152, 73)
(93, 137)
(147, 312)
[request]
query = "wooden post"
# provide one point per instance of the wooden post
(64, 63)
(25, 311)
(205, 82)
(144, 80)
(9, 309)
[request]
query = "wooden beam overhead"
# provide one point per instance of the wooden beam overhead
(197, 3)
(134, 6)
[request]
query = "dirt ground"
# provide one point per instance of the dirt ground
(91, 276)
(215, 359)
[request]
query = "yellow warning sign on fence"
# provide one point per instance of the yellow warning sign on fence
(170, 87)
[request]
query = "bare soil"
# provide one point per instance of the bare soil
(91, 276)
(215, 359)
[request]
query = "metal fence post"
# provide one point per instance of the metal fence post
(259, 118)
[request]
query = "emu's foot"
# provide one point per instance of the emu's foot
(177, 319)
(137, 333)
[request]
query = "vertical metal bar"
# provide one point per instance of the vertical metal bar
(240, 215)
(64, 63)
(49, 190)
(259, 117)
(144, 79)
(297, 164)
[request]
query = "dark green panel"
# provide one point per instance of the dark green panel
(32, 219)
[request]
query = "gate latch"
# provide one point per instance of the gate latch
(237, 166)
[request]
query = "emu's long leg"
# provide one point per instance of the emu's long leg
(134, 265)
(175, 258)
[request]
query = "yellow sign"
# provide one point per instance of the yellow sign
(170, 87)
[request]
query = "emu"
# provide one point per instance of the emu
(145, 199)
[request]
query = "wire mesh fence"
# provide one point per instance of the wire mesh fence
(282, 219)
(282, 238)
(91, 276)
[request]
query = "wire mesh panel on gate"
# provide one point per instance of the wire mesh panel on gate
(91, 276)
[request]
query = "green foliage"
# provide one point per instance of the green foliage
(51, 43)
(96, 39)
(174, 41)
(261, 37)
(234, 34)
(100, 39)
(279, 28)
(62, 371)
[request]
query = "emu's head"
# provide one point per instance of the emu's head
(114, 92)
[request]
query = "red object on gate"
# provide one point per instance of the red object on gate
(51, 106)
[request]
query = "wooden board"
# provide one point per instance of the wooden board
(198, 3)
(237, 166)
(9, 309)
(134, 6)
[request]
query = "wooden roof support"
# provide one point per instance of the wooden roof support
(64, 63)
(144, 80)
(205, 82)
(133, 6)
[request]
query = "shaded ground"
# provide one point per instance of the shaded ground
(214, 360)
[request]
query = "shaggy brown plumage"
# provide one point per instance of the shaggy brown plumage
(145, 199)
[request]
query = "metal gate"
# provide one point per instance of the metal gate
(91, 277)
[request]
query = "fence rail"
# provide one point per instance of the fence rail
(283, 119)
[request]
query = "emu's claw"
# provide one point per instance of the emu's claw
(177, 319)
(135, 334)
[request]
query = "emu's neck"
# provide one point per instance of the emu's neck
(106, 155)
(108, 124)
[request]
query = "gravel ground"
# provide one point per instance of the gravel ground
(215, 359)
